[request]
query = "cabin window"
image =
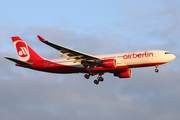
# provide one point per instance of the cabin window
(167, 53)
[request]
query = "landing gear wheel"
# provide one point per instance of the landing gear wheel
(101, 79)
(96, 82)
(156, 70)
(87, 76)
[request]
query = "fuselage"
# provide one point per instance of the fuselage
(123, 60)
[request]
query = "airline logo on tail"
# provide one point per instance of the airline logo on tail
(22, 50)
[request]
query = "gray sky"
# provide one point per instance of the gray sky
(96, 27)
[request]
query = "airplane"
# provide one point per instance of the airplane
(78, 62)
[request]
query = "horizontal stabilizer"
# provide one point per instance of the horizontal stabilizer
(19, 61)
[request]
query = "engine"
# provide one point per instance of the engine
(124, 74)
(108, 63)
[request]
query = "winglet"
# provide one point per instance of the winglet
(41, 38)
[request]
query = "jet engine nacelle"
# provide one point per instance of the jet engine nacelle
(125, 74)
(109, 63)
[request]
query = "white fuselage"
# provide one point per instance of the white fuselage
(134, 59)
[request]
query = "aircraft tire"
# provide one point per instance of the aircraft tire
(101, 79)
(96, 82)
(156, 70)
(87, 76)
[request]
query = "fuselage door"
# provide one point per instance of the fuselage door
(156, 54)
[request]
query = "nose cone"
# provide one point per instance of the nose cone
(169, 57)
(173, 57)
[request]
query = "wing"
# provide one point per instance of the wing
(72, 54)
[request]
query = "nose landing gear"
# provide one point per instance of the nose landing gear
(156, 70)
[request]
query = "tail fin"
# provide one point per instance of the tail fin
(25, 53)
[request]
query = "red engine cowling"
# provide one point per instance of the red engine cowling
(109, 63)
(125, 74)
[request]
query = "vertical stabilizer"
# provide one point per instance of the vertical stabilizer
(24, 52)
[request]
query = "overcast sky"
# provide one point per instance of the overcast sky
(93, 27)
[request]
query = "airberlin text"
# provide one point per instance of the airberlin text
(138, 55)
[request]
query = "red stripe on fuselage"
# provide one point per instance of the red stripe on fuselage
(58, 68)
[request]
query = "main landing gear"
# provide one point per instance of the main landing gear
(87, 76)
(99, 78)
(156, 70)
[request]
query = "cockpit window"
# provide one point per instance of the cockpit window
(167, 53)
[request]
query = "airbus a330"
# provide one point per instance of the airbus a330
(119, 64)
